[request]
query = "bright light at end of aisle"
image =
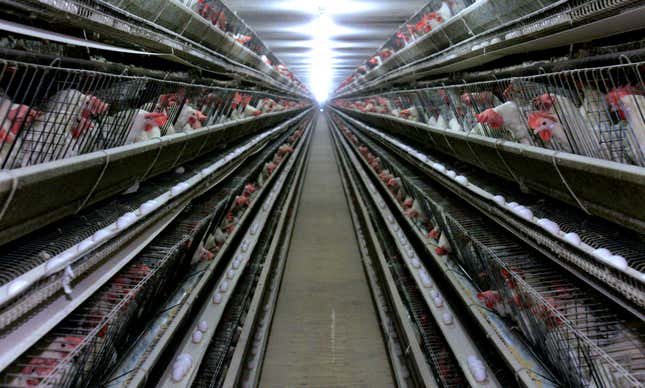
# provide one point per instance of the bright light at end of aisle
(323, 28)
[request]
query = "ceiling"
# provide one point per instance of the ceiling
(316, 51)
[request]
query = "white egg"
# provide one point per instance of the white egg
(217, 298)
(126, 220)
(573, 238)
(447, 318)
(477, 368)
(602, 253)
(439, 167)
(451, 174)
(236, 264)
(499, 200)
(223, 287)
(495, 40)
(148, 206)
(101, 235)
(202, 326)
(618, 262)
(59, 262)
(230, 274)
(177, 189)
(549, 225)
(462, 180)
(425, 279)
(513, 205)
(415, 263)
(438, 301)
(177, 374)
(197, 336)
(523, 212)
(85, 245)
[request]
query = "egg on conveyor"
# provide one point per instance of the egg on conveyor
(573, 238)
(462, 180)
(500, 200)
(101, 235)
(126, 220)
(549, 225)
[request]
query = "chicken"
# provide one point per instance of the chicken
(14, 118)
(141, 125)
(268, 169)
(507, 116)
(416, 213)
(42, 365)
(249, 190)
(630, 106)
(189, 119)
(66, 116)
(410, 114)
(443, 246)
(545, 125)
(432, 20)
(454, 125)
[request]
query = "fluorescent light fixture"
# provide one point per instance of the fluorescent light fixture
(322, 29)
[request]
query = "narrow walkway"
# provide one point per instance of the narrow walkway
(325, 331)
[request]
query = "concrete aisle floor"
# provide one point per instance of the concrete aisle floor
(325, 330)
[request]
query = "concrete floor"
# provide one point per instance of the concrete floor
(325, 330)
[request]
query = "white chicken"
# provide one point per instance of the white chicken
(14, 117)
(410, 114)
(546, 125)
(189, 119)
(141, 125)
(631, 107)
(66, 117)
(507, 116)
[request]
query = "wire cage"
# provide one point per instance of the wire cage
(83, 349)
(595, 112)
(583, 339)
(481, 26)
(50, 113)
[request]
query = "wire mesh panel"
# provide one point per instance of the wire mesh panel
(595, 112)
(50, 113)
